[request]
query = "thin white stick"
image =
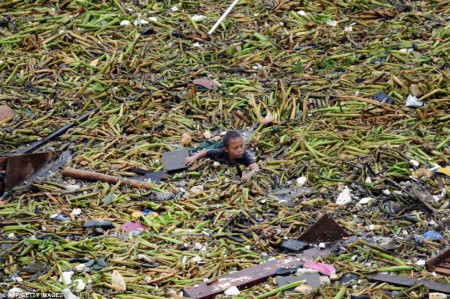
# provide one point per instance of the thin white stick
(225, 14)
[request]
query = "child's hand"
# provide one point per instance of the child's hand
(190, 160)
(247, 176)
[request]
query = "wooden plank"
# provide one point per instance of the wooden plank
(324, 230)
(409, 282)
(253, 275)
(440, 270)
(434, 261)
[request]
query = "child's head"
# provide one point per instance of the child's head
(233, 145)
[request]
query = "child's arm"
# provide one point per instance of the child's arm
(254, 169)
(191, 160)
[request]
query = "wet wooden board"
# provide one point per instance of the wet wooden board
(409, 282)
(324, 230)
(174, 161)
(440, 263)
(252, 275)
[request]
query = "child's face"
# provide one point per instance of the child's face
(235, 148)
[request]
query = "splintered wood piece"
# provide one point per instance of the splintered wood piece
(324, 230)
(95, 176)
(440, 263)
(253, 275)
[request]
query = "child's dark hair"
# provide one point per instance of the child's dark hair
(229, 136)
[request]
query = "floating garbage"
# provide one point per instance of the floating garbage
(412, 101)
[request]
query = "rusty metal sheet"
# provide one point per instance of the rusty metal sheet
(409, 282)
(324, 230)
(19, 167)
(49, 169)
(253, 275)
(174, 161)
(439, 263)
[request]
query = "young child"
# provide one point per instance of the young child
(232, 153)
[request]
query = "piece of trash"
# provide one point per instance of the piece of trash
(414, 163)
(68, 294)
(383, 98)
(348, 278)
(301, 271)
(420, 263)
(325, 269)
(233, 291)
(304, 289)
(174, 161)
(412, 101)
(76, 211)
(79, 285)
(139, 20)
(174, 8)
(422, 172)
(196, 259)
(148, 31)
(344, 198)
(66, 277)
(442, 172)
(205, 83)
(72, 187)
(136, 214)
(60, 217)
(286, 271)
(429, 235)
(198, 18)
(323, 230)
(186, 139)
(125, 23)
(365, 200)
(301, 181)
(220, 20)
(6, 114)
(437, 296)
(117, 282)
(197, 189)
(302, 13)
(105, 225)
(128, 227)
(332, 23)
(324, 280)
(293, 245)
(14, 293)
(392, 207)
